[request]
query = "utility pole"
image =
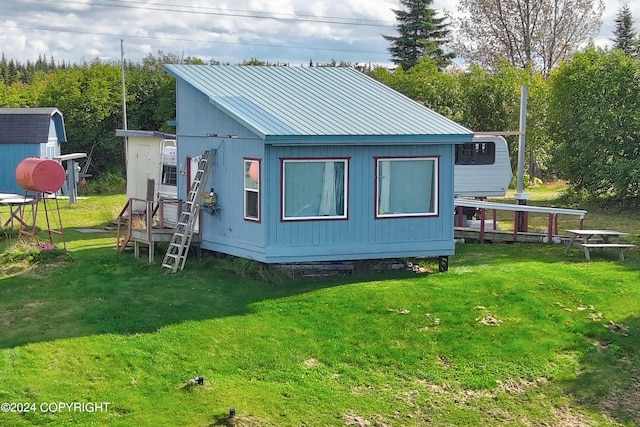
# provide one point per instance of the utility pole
(124, 103)
(520, 195)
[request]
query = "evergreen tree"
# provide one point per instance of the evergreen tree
(421, 33)
(12, 75)
(625, 38)
(4, 69)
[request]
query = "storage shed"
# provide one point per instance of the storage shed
(144, 150)
(27, 132)
(316, 164)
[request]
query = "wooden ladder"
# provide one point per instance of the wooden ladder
(179, 245)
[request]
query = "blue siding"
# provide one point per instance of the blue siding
(361, 236)
(227, 231)
(12, 155)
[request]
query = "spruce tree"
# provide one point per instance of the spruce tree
(625, 38)
(420, 33)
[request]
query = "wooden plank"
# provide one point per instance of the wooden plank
(607, 245)
(482, 204)
(588, 247)
(504, 235)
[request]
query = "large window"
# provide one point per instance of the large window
(406, 187)
(314, 189)
(252, 189)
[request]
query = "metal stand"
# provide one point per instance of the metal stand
(51, 216)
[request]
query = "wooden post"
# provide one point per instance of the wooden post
(482, 218)
(443, 264)
(151, 189)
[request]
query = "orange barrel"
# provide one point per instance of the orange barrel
(41, 175)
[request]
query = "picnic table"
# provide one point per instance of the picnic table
(16, 205)
(589, 240)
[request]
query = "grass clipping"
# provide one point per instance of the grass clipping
(22, 256)
(487, 318)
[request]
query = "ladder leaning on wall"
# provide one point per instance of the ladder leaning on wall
(179, 245)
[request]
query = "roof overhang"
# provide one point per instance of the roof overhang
(303, 140)
(144, 134)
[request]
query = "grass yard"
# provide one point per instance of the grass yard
(512, 335)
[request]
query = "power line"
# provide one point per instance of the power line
(60, 30)
(233, 13)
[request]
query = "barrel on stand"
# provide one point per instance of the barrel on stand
(42, 176)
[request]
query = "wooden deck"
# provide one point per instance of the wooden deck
(469, 233)
(147, 227)
(149, 238)
(521, 212)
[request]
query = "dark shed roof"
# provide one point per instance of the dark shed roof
(30, 125)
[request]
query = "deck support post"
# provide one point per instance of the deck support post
(443, 264)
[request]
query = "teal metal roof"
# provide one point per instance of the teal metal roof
(280, 103)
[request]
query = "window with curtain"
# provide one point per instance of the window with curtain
(406, 187)
(252, 189)
(314, 189)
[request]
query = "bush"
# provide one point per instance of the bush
(594, 117)
(110, 182)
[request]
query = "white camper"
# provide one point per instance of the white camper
(482, 168)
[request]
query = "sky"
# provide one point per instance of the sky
(292, 32)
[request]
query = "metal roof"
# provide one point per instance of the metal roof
(286, 102)
(30, 125)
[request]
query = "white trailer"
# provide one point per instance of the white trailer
(482, 168)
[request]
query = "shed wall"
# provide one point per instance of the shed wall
(202, 126)
(12, 155)
(143, 164)
(361, 236)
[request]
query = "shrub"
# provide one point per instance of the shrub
(111, 182)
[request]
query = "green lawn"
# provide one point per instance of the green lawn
(513, 334)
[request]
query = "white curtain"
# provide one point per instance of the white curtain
(406, 187)
(314, 189)
(328, 201)
(384, 181)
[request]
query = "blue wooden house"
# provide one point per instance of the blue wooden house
(27, 132)
(316, 164)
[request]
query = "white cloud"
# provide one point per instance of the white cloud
(270, 30)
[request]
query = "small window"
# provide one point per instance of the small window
(314, 189)
(406, 187)
(252, 189)
(476, 153)
(169, 175)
